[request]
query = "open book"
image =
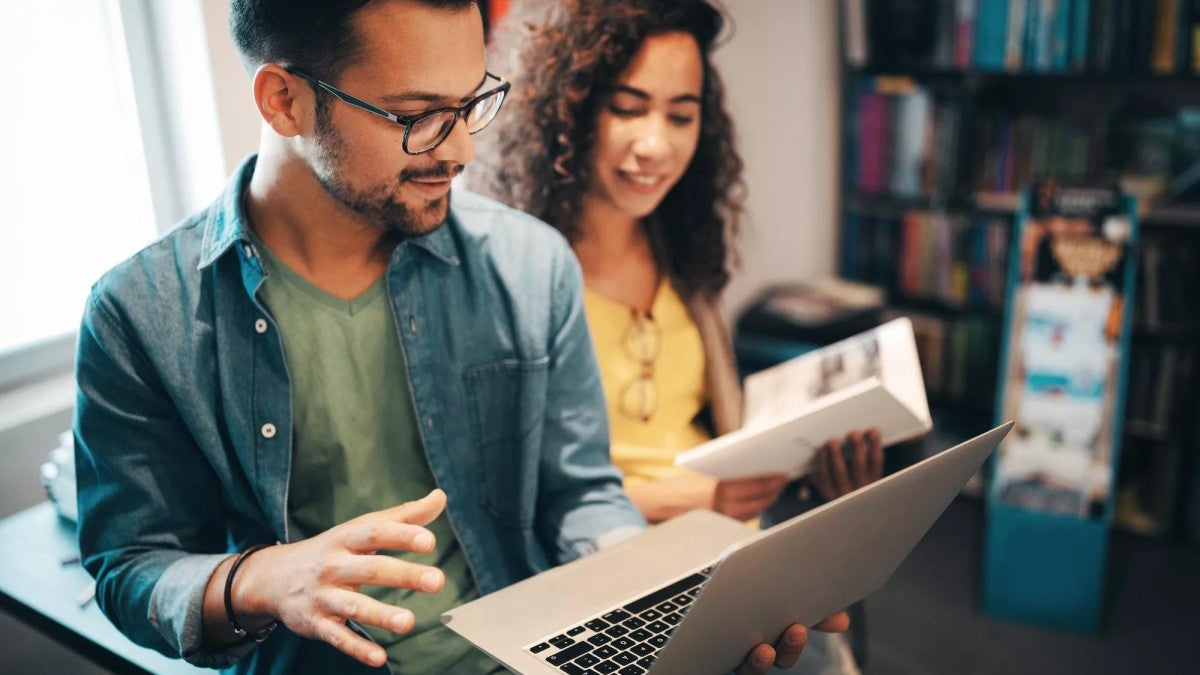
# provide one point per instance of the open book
(870, 380)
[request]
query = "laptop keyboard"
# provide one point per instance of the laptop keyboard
(627, 639)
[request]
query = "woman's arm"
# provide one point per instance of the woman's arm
(742, 498)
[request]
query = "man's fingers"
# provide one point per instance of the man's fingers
(838, 623)
(366, 610)
(382, 570)
(345, 640)
(790, 646)
(387, 535)
(421, 512)
(759, 661)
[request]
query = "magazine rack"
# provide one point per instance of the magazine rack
(1062, 378)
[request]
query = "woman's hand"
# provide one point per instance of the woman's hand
(831, 476)
(746, 498)
(741, 498)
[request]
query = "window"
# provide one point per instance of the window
(75, 187)
(108, 135)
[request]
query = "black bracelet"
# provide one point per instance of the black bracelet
(257, 636)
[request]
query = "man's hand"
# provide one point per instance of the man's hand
(312, 586)
(829, 474)
(790, 645)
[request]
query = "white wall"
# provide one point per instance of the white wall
(238, 120)
(781, 76)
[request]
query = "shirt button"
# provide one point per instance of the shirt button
(268, 430)
(412, 326)
(428, 422)
(260, 325)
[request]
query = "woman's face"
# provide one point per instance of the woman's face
(648, 129)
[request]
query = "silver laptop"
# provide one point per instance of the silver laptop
(697, 593)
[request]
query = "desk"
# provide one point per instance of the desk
(37, 589)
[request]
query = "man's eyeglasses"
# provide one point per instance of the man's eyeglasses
(426, 131)
(642, 342)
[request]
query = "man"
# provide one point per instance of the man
(327, 340)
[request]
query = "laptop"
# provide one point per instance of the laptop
(698, 592)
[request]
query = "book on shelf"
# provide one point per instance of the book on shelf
(1150, 480)
(1167, 297)
(903, 140)
(1044, 36)
(955, 260)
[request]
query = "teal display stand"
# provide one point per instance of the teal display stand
(1040, 566)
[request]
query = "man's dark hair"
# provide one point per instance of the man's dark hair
(316, 36)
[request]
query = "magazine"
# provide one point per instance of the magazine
(870, 380)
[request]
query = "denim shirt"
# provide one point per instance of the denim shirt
(183, 428)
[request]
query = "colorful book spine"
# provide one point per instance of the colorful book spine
(1081, 15)
(964, 33)
(991, 34)
(1015, 39)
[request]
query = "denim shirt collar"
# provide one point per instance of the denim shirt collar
(228, 224)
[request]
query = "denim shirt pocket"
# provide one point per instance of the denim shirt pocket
(506, 403)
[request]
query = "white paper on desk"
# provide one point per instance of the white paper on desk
(870, 380)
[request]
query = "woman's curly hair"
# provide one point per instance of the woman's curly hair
(563, 57)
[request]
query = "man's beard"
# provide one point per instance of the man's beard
(379, 205)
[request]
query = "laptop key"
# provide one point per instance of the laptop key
(666, 608)
(648, 615)
(646, 662)
(633, 623)
(599, 639)
(674, 618)
(587, 660)
(561, 641)
(622, 643)
(569, 654)
(606, 651)
(658, 641)
(606, 668)
(642, 649)
(576, 630)
(597, 624)
(658, 626)
(615, 616)
(571, 669)
(631, 670)
(616, 631)
(682, 599)
(624, 658)
(666, 593)
(540, 647)
(641, 635)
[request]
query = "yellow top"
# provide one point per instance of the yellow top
(634, 350)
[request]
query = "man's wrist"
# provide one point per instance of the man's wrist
(250, 610)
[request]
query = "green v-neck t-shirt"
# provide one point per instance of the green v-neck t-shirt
(357, 449)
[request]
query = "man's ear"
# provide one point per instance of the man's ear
(284, 100)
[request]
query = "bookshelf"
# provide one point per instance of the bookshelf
(949, 108)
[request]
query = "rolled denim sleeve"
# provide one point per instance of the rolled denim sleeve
(582, 505)
(151, 528)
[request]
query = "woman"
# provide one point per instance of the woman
(617, 136)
